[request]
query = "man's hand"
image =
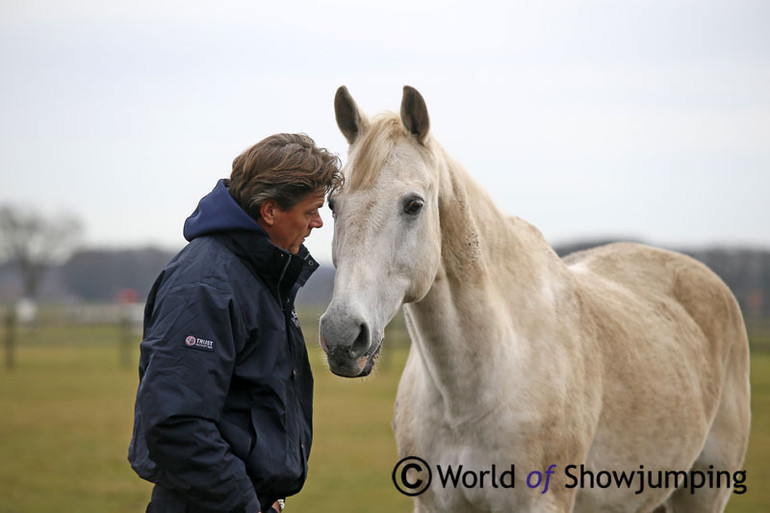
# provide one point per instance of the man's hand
(277, 507)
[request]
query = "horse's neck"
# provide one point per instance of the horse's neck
(483, 246)
(494, 293)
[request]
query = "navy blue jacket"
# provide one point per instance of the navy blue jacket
(223, 411)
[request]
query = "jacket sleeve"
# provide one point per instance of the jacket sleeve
(192, 340)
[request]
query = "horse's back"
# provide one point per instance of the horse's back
(653, 291)
(656, 275)
(668, 324)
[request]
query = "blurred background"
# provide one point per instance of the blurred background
(594, 120)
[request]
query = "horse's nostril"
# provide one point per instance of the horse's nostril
(361, 343)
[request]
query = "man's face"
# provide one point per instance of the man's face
(291, 227)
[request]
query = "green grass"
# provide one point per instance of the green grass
(66, 414)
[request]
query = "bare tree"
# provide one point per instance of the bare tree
(35, 242)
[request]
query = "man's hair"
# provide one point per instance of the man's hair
(285, 168)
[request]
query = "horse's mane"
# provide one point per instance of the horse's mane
(376, 145)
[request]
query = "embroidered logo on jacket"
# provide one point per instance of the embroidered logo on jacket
(295, 318)
(199, 343)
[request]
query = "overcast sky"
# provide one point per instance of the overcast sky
(644, 119)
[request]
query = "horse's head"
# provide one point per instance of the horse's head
(387, 237)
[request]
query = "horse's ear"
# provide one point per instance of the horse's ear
(414, 113)
(349, 118)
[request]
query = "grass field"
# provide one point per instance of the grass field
(66, 412)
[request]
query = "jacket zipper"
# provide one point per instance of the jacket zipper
(280, 279)
(297, 403)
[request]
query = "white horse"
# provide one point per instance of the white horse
(623, 358)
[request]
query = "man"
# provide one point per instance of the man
(223, 417)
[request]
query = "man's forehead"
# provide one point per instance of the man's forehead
(313, 198)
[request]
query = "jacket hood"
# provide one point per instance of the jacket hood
(218, 212)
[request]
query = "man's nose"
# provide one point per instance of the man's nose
(317, 222)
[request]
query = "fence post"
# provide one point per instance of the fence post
(126, 337)
(10, 338)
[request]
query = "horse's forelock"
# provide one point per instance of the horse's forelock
(376, 145)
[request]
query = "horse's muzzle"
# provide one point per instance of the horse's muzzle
(342, 364)
(349, 346)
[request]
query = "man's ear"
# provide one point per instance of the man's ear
(268, 211)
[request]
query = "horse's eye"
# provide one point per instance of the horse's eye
(331, 205)
(412, 206)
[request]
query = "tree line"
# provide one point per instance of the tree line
(101, 275)
(39, 260)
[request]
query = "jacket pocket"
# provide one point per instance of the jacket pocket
(237, 429)
(275, 464)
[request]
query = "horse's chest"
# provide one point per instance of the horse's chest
(468, 479)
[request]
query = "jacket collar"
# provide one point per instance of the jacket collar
(280, 270)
